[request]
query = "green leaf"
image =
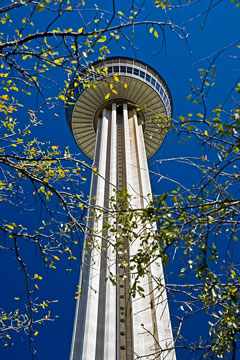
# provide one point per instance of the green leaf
(40, 7)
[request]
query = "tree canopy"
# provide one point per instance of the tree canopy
(44, 45)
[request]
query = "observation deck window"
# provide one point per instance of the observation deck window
(157, 86)
(129, 70)
(148, 78)
(122, 69)
(110, 69)
(136, 71)
(116, 69)
(142, 74)
(153, 82)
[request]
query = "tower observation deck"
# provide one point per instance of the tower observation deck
(118, 119)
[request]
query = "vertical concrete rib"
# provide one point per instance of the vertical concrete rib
(127, 150)
(141, 313)
(133, 189)
(111, 296)
(82, 301)
(149, 313)
(160, 312)
(90, 334)
(104, 262)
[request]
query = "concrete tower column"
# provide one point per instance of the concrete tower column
(111, 324)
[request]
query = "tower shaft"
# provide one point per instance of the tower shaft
(109, 323)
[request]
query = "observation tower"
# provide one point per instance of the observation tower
(118, 119)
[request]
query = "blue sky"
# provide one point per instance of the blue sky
(177, 63)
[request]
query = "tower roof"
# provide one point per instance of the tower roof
(119, 79)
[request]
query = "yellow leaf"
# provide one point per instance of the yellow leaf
(107, 96)
(5, 97)
(61, 172)
(56, 257)
(84, 179)
(69, 8)
(58, 61)
(80, 30)
(114, 91)
(120, 13)
(83, 3)
(10, 227)
(107, 51)
(36, 276)
(15, 88)
(116, 78)
(205, 133)
(155, 34)
(151, 30)
(35, 333)
(102, 39)
(62, 97)
(125, 85)
(16, 298)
